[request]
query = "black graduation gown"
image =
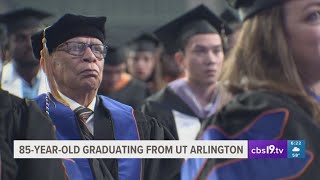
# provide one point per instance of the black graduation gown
(160, 106)
(132, 94)
(241, 115)
(23, 120)
(149, 129)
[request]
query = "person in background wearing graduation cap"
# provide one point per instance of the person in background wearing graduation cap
(118, 84)
(269, 75)
(234, 22)
(22, 76)
(183, 103)
(143, 60)
(73, 62)
(170, 69)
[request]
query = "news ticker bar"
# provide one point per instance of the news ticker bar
(159, 149)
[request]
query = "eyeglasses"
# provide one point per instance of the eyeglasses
(78, 49)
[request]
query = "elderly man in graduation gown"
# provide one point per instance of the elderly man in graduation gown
(72, 52)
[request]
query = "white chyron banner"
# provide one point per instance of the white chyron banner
(130, 149)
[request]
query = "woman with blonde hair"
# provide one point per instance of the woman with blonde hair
(269, 76)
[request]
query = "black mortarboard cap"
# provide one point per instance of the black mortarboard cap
(248, 8)
(22, 18)
(114, 57)
(200, 20)
(231, 18)
(67, 27)
(145, 42)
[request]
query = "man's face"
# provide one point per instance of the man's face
(112, 75)
(21, 47)
(78, 73)
(141, 65)
(203, 58)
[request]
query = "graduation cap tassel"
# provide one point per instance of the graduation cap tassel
(44, 53)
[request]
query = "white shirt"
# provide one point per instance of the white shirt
(73, 105)
(189, 126)
(11, 81)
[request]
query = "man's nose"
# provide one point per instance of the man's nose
(213, 58)
(88, 55)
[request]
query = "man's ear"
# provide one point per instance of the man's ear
(179, 58)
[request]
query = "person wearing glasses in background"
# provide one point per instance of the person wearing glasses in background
(71, 53)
